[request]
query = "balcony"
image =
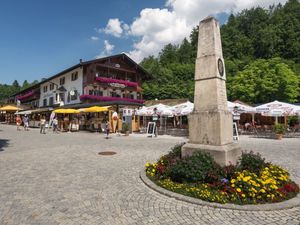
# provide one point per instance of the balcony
(25, 96)
(113, 82)
(107, 98)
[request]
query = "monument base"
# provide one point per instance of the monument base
(223, 155)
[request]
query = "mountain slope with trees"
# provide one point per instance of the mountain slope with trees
(261, 49)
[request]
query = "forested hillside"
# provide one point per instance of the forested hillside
(8, 90)
(261, 48)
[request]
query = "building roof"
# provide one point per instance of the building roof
(147, 75)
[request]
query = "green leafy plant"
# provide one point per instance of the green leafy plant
(279, 128)
(251, 162)
(125, 128)
(194, 168)
(252, 181)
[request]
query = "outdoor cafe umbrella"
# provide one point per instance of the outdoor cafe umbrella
(95, 109)
(183, 108)
(242, 108)
(9, 108)
(275, 109)
(296, 111)
(66, 111)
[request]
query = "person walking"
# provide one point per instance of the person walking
(42, 125)
(26, 122)
(55, 125)
(107, 129)
(18, 122)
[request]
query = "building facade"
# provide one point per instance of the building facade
(106, 81)
(63, 89)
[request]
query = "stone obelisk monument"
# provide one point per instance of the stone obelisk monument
(210, 124)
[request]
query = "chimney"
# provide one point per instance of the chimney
(80, 61)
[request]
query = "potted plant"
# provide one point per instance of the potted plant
(279, 130)
(125, 129)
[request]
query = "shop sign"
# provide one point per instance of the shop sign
(127, 112)
(117, 85)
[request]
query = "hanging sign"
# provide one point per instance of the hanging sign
(117, 85)
(127, 112)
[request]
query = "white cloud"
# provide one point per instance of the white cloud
(154, 28)
(94, 38)
(115, 27)
(108, 48)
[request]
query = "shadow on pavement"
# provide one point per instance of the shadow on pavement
(3, 144)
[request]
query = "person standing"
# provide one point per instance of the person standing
(26, 122)
(42, 125)
(55, 124)
(18, 122)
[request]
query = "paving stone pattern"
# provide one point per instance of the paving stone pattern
(61, 179)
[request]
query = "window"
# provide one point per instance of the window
(74, 76)
(62, 81)
(139, 96)
(62, 97)
(114, 94)
(45, 102)
(45, 88)
(51, 101)
(51, 87)
(74, 96)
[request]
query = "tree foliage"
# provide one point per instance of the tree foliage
(261, 48)
(8, 90)
(265, 80)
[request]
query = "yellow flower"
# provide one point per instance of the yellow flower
(262, 191)
(232, 181)
(243, 195)
(238, 190)
(232, 185)
(147, 164)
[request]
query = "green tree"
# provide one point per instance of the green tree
(25, 85)
(264, 81)
(168, 55)
(185, 52)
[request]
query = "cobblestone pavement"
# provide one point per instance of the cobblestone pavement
(61, 179)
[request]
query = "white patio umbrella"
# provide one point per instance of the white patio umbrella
(183, 108)
(240, 107)
(145, 111)
(296, 111)
(275, 109)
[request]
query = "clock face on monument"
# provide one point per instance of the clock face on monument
(220, 67)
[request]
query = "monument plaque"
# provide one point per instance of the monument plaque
(210, 124)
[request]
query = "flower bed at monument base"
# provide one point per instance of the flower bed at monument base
(251, 181)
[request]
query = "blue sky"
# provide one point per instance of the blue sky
(39, 38)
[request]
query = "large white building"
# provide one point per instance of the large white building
(62, 89)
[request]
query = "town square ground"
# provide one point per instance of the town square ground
(61, 179)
